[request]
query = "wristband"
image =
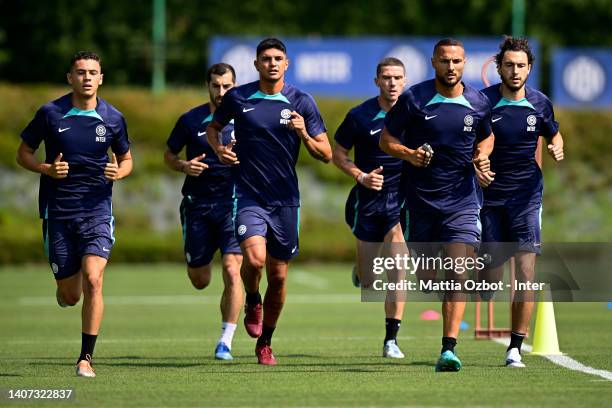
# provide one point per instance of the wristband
(361, 178)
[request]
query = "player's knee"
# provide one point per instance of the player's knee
(256, 260)
(200, 279)
(93, 284)
(70, 298)
(277, 281)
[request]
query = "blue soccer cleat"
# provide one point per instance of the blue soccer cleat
(448, 361)
(222, 352)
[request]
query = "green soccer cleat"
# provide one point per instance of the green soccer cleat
(448, 361)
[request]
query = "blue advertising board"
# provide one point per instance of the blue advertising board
(345, 67)
(582, 77)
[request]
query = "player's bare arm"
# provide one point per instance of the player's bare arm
(482, 152)
(119, 168)
(27, 159)
(193, 167)
(373, 180)
(394, 147)
(225, 153)
(555, 147)
(318, 146)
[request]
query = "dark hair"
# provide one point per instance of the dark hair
(81, 55)
(446, 42)
(220, 69)
(389, 62)
(514, 44)
(271, 43)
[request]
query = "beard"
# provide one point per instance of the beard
(442, 79)
(511, 86)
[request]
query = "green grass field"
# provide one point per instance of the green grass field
(157, 341)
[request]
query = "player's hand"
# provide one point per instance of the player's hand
(297, 123)
(111, 171)
(481, 161)
(555, 149)
(373, 180)
(486, 178)
(227, 155)
(195, 167)
(59, 168)
(420, 157)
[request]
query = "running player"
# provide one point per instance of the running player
(513, 199)
(271, 119)
(373, 206)
(206, 209)
(440, 189)
(75, 190)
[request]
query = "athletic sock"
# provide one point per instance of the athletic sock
(391, 328)
(253, 298)
(266, 336)
(516, 340)
(88, 342)
(448, 343)
(227, 333)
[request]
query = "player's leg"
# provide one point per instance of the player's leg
(394, 303)
(351, 216)
(525, 229)
(231, 302)
(199, 277)
(199, 242)
(60, 249)
(282, 246)
(95, 241)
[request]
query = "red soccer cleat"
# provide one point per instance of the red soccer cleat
(253, 319)
(264, 355)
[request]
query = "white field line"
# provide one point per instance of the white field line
(308, 279)
(566, 361)
(315, 298)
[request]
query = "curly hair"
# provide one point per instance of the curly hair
(514, 44)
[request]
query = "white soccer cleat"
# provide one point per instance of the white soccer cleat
(84, 369)
(514, 359)
(391, 350)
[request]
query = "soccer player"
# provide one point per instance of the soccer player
(440, 189)
(206, 209)
(75, 190)
(271, 120)
(373, 206)
(513, 187)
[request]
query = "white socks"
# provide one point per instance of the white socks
(227, 333)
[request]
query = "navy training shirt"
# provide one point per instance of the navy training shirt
(452, 126)
(361, 129)
(266, 148)
(83, 137)
(517, 126)
(214, 184)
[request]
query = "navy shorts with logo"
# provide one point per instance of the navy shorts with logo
(206, 227)
(373, 216)
(516, 224)
(280, 226)
(435, 227)
(68, 241)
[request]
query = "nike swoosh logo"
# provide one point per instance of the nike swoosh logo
(105, 249)
(62, 130)
(430, 117)
(495, 120)
(293, 250)
(245, 110)
(201, 133)
(373, 132)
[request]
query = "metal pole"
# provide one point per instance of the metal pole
(158, 82)
(518, 18)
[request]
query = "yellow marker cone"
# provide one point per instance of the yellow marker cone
(545, 340)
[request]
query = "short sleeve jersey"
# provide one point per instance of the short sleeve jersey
(266, 148)
(452, 127)
(83, 137)
(215, 184)
(361, 129)
(517, 126)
